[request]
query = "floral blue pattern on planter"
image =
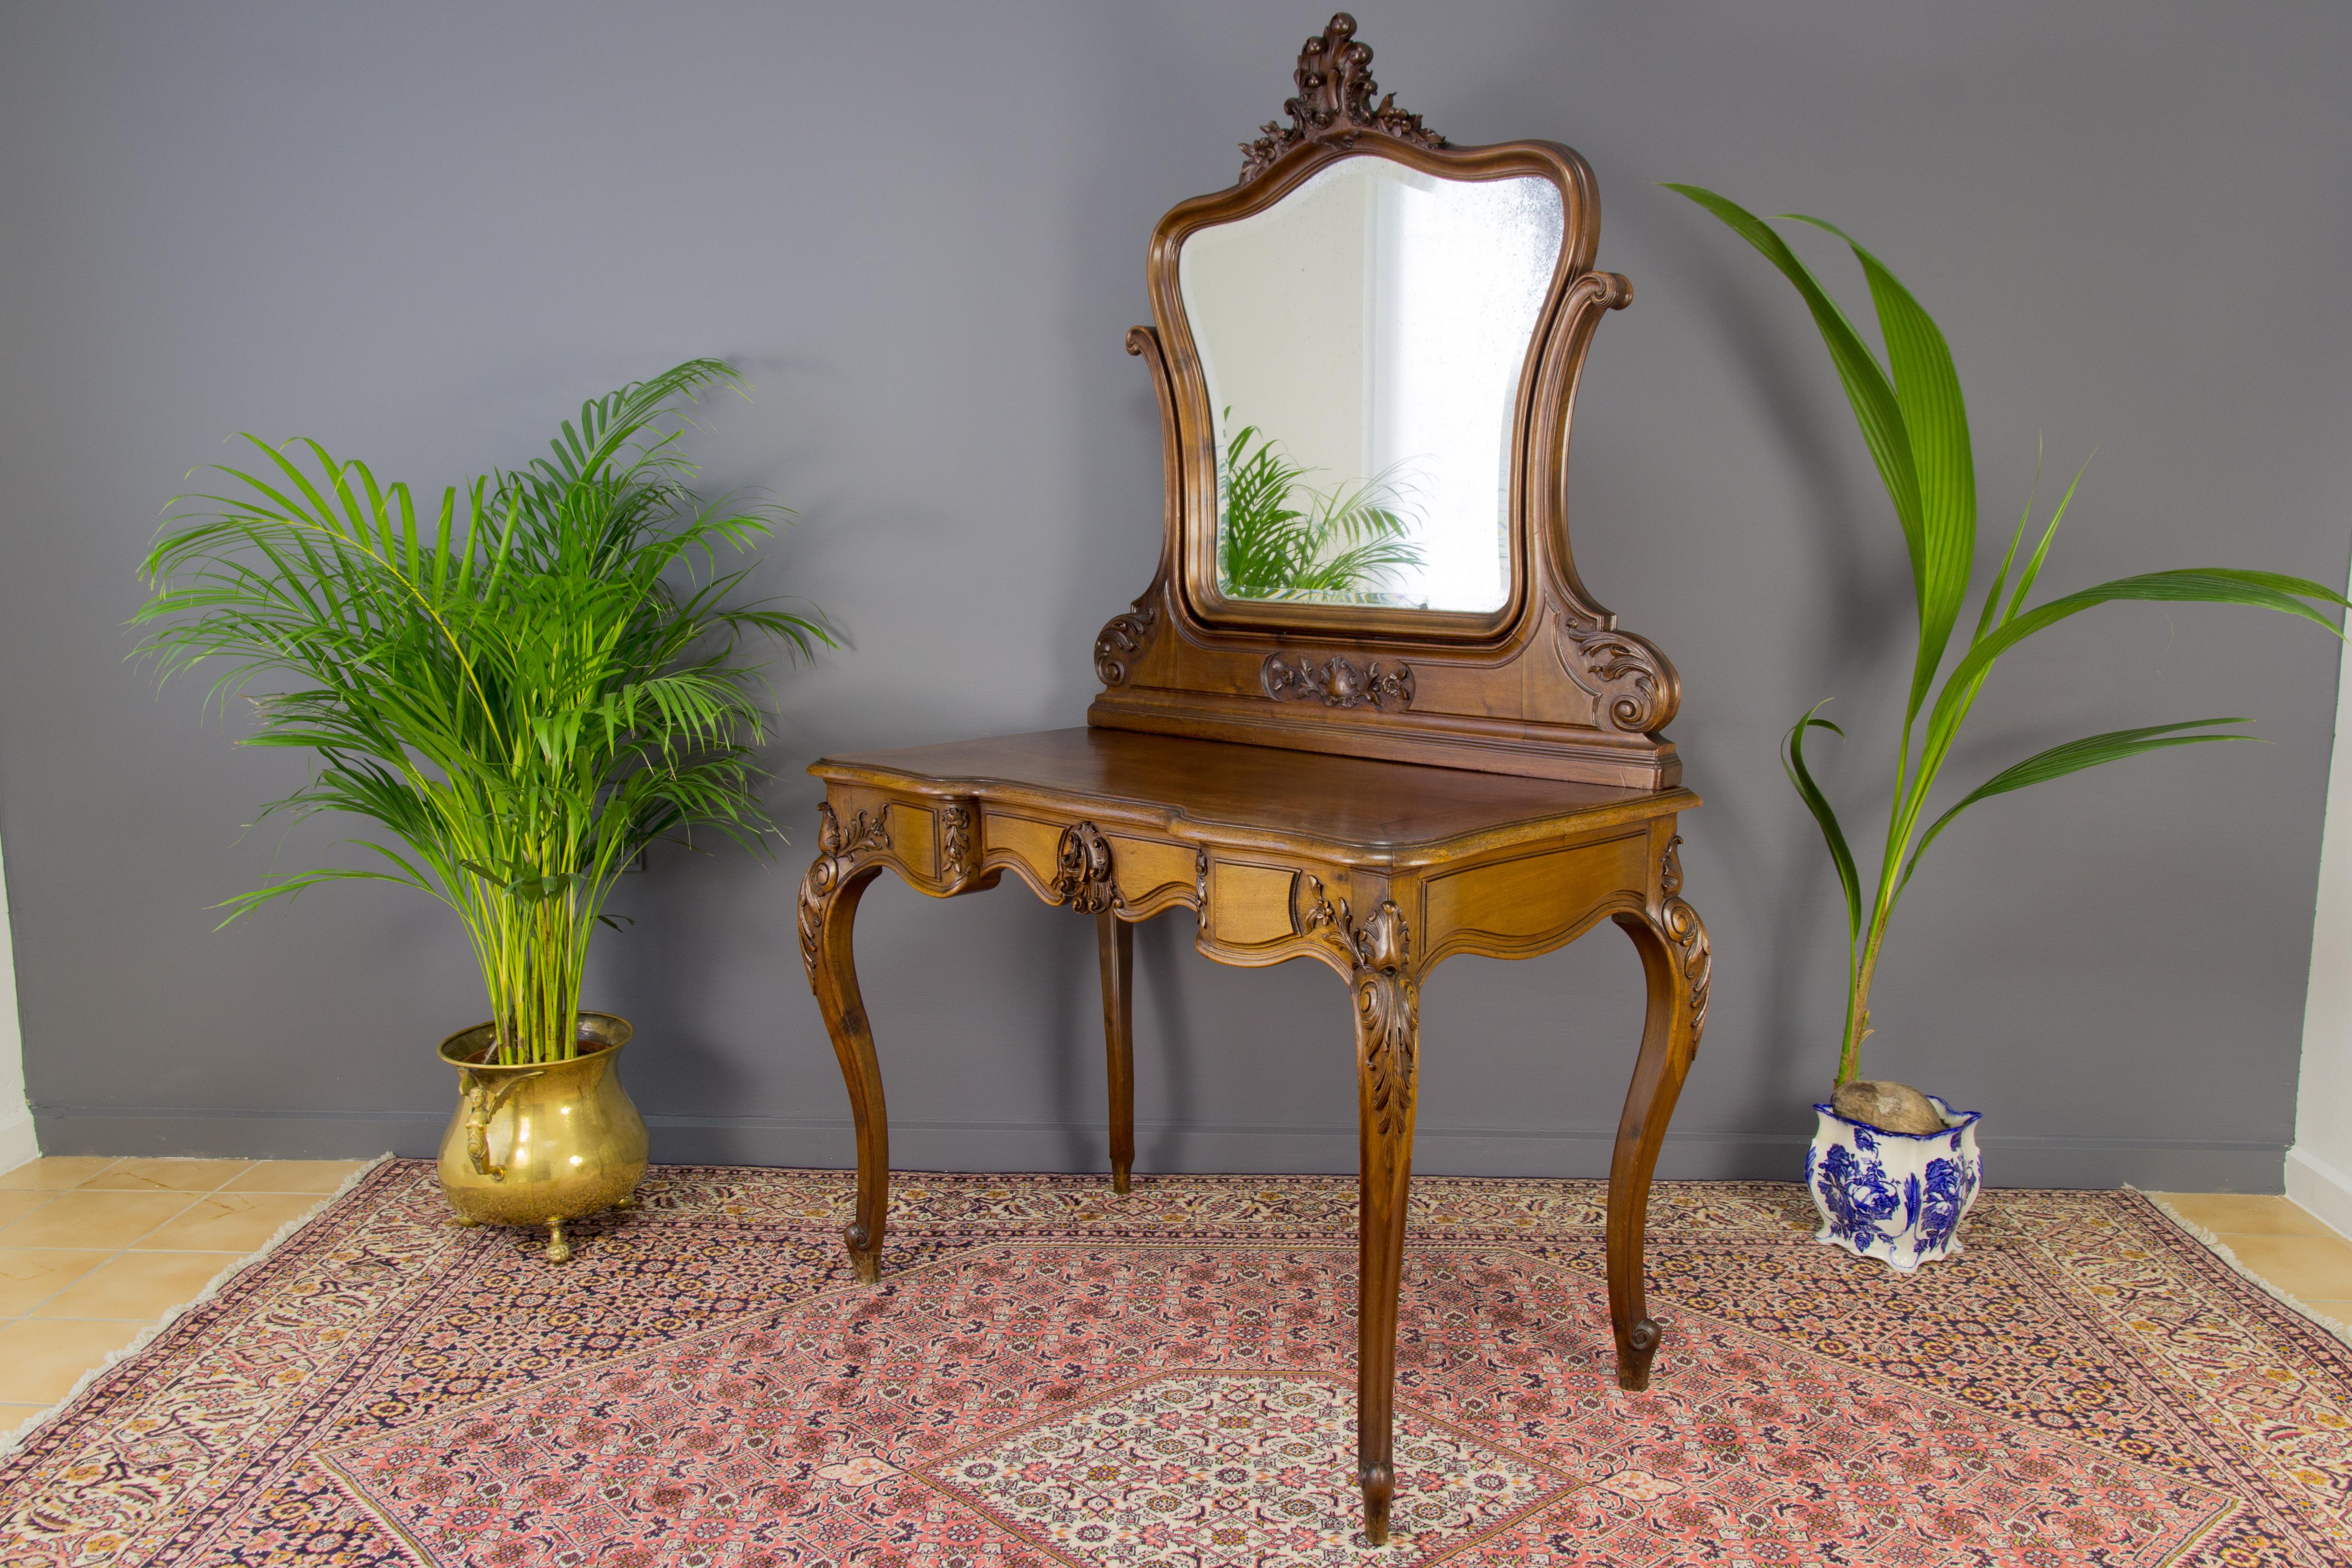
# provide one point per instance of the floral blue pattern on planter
(1894, 1196)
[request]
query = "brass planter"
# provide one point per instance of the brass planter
(543, 1144)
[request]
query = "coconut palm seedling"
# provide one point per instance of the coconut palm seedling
(520, 693)
(1915, 422)
(1280, 539)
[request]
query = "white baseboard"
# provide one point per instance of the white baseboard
(2320, 1188)
(17, 1144)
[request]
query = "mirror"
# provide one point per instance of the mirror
(1362, 341)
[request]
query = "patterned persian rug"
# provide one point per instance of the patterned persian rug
(1053, 1375)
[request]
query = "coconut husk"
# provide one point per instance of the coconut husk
(1890, 1107)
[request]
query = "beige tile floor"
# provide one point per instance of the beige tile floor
(2276, 1239)
(94, 1251)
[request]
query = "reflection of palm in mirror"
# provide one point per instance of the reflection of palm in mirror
(1278, 538)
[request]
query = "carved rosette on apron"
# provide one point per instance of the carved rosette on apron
(1082, 870)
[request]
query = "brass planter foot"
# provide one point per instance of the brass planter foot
(545, 1144)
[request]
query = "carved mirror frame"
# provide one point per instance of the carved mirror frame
(1548, 685)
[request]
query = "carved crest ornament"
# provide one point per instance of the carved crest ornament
(1334, 103)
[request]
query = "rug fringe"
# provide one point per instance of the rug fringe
(2220, 1249)
(11, 1441)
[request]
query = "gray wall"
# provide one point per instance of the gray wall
(424, 232)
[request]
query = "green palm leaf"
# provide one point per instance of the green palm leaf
(2072, 758)
(1876, 408)
(1792, 759)
(1936, 420)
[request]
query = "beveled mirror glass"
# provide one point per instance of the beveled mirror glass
(1363, 342)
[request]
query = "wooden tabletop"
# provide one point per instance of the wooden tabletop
(1350, 800)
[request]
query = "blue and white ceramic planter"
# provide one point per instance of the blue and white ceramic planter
(1894, 1196)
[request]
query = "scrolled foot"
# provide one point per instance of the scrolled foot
(1379, 1488)
(1634, 1364)
(559, 1250)
(863, 1256)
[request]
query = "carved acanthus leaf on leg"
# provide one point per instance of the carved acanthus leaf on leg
(838, 850)
(1688, 933)
(1388, 1009)
(1387, 1003)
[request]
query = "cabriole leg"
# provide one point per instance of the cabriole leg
(829, 897)
(1115, 944)
(1675, 963)
(1388, 1027)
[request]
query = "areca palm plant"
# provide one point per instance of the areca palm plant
(1280, 539)
(519, 690)
(1914, 422)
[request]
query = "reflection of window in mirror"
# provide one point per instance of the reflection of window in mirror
(1369, 330)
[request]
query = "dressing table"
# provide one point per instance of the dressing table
(1366, 712)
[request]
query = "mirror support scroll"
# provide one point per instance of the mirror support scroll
(1547, 683)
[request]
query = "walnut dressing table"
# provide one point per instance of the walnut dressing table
(1366, 712)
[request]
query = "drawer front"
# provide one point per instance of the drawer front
(1152, 873)
(1026, 843)
(1535, 902)
(912, 836)
(1250, 905)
